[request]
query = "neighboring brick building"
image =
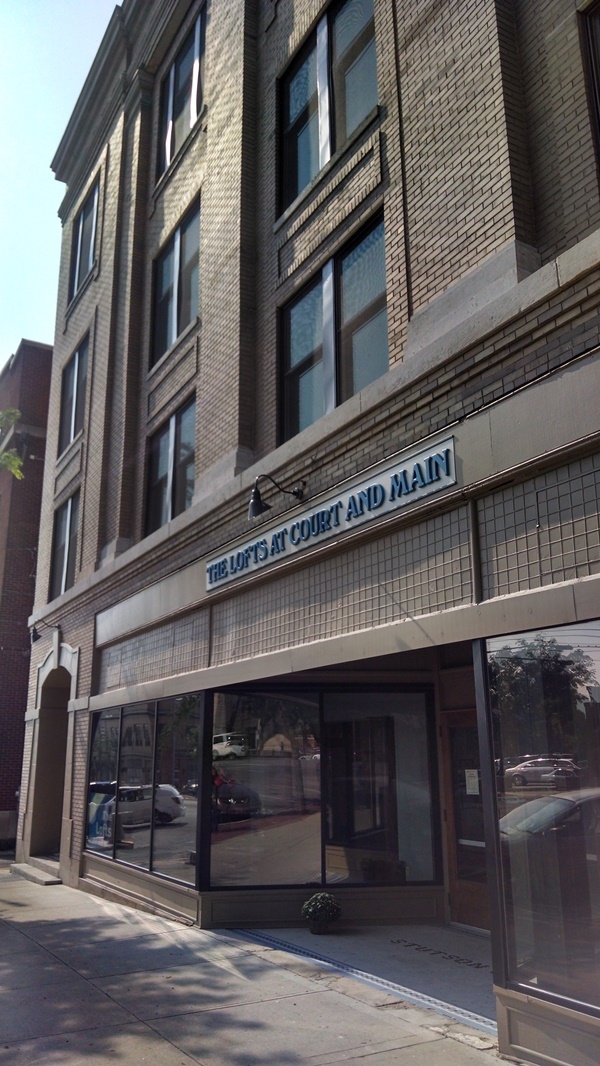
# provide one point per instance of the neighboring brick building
(25, 386)
(351, 251)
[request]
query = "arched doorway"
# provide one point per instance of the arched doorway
(50, 762)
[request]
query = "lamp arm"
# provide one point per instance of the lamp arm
(298, 492)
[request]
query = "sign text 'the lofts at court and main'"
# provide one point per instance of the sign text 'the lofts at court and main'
(391, 485)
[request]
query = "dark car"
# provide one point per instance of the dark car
(233, 801)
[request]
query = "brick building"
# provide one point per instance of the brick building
(24, 386)
(341, 262)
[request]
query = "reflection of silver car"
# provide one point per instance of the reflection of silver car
(537, 771)
(135, 802)
(229, 746)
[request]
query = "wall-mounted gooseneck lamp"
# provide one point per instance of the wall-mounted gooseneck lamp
(35, 633)
(257, 504)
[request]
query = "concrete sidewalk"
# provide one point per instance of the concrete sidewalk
(83, 980)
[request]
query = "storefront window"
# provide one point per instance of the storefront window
(134, 792)
(143, 785)
(178, 740)
(545, 703)
(378, 800)
(104, 753)
(266, 792)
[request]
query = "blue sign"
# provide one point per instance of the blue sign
(391, 486)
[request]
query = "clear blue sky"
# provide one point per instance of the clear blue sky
(47, 49)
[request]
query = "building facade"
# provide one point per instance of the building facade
(24, 387)
(320, 539)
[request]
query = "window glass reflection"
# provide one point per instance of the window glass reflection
(134, 800)
(104, 751)
(378, 796)
(178, 739)
(545, 700)
(266, 794)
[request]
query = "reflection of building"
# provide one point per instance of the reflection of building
(387, 292)
(24, 386)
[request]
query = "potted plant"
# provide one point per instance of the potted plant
(320, 910)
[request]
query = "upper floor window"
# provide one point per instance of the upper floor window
(84, 242)
(591, 25)
(327, 92)
(72, 401)
(64, 546)
(176, 284)
(181, 94)
(335, 339)
(171, 468)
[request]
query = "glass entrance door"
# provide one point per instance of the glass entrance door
(464, 821)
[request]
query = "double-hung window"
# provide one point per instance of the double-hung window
(181, 94)
(64, 546)
(171, 468)
(335, 338)
(72, 402)
(328, 91)
(176, 283)
(83, 245)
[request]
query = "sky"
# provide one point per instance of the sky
(47, 49)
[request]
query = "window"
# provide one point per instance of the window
(328, 91)
(72, 403)
(181, 94)
(335, 333)
(176, 284)
(171, 468)
(84, 241)
(544, 689)
(64, 546)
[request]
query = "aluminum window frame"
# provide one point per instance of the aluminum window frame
(60, 583)
(194, 99)
(82, 263)
(332, 134)
(171, 430)
(71, 420)
(334, 336)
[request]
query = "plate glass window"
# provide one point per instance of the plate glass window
(545, 713)
(84, 241)
(329, 89)
(64, 549)
(176, 284)
(335, 339)
(74, 381)
(171, 468)
(181, 94)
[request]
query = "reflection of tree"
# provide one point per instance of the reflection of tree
(261, 717)
(537, 690)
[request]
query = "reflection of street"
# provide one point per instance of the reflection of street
(281, 845)
(282, 782)
(268, 851)
(174, 845)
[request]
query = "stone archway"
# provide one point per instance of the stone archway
(50, 761)
(48, 787)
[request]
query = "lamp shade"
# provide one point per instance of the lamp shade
(257, 505)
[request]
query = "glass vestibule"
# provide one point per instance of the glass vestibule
(545, 712)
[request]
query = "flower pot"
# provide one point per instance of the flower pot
(318, 927)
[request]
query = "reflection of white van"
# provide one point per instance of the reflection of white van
(229, 746)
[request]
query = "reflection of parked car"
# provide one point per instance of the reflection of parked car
(190, 788)
(536, 771)
(233, 800)
(559, 832)
(135, 802)
(229, 746)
